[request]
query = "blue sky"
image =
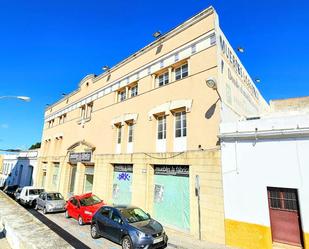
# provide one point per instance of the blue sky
(47, 47)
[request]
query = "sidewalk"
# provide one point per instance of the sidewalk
(3, 242)
(180, 241)
(23, 230)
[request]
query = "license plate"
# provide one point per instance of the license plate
(157, 240)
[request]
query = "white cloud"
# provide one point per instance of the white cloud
(4, 126)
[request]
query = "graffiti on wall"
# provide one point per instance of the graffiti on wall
(123, 176)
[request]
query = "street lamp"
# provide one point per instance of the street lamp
(23, 98)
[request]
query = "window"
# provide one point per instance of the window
(116, 217)
(121, 95)
(82, 111)
(284, 199)
(86, 111)
(134, 91)
(162, 127)
(51, 123)
(119, 135)
(180, 124)
(74, 202)
(62, 118)
(89, 110)
(106, 212)
(55, 175)
(130, 132)
(88, 180)
(163, 79)
(181, 72)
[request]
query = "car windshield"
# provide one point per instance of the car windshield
(54, 197)
(90, 200)
(134, 215)
(35, 191)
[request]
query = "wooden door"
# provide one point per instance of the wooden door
(284, 216)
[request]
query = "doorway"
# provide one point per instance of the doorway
(72, 179)
(171, 195)
(285, 216)
(122, 184)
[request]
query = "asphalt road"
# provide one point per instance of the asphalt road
(78, 236)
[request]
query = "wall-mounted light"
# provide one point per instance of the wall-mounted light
(105, 68)
(211, 83)
(240, 49)
(157, 34)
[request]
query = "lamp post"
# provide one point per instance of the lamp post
(23, 98)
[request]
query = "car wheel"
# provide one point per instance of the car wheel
(66, 214)
(36, 207)
(32, 204)
(44, 210)
(94, 231)
(126, 243)
(80, 221)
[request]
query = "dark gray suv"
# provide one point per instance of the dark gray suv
(129, 226)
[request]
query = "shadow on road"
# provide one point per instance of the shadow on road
(73, 241)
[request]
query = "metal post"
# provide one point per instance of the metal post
(197, 193)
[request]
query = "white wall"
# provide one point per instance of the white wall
(248, 167)
(25, 158)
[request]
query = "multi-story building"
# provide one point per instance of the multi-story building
(145, 132)
(19, 168)
(1, 170)
(265, 171)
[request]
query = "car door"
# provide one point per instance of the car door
(102, 221)
(115, 228)
(74, 208)
(39, 200)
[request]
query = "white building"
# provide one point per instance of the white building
(19, 169)
(265, 167)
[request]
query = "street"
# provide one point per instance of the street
(78, 236)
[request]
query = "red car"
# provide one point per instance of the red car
(83, 207)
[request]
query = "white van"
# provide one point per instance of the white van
(29, 194)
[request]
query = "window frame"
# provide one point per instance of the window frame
(119, 134)
(130, 132)
(134, 92)
(183, 123)
(165, 78)
(161, 118)
(183, 74)
(121, 95)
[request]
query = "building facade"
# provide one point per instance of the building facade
(265, 167)
(19, 168)
(145, 132)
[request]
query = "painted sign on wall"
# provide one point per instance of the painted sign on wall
(79, 157)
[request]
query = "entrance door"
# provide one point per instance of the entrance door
(284, 215)
(43, 178)
(122, 184)
(72, 179)
(88, 180)
(171, 195)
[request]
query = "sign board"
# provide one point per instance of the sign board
(79, 157)
(174, 170)
(123, 168)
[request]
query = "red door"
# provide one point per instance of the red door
(284, 216)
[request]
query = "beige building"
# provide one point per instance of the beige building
(145, 132)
